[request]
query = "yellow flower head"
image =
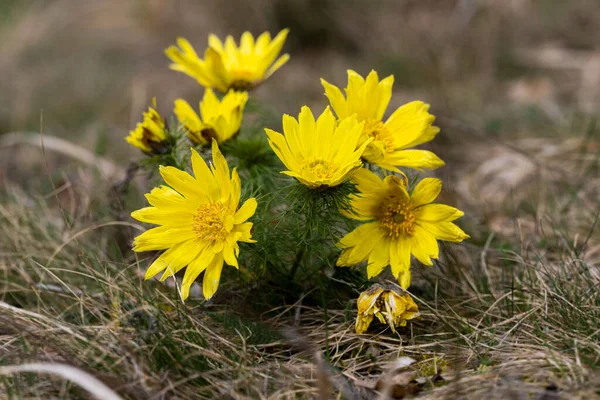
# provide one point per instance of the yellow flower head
(401, 224)
(200, 222)
(387, 305)
(409, 126)
(218, 119)
(150, 135)
(227, 66)
(318, 153)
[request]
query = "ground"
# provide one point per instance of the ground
(511, 313)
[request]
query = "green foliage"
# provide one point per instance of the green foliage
(257, 164)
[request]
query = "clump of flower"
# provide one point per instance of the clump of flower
(220, 120)
(200, 222)
(319, 153)
(389, 306)
(225, 65)
(199, 217)
(409, 126)
(398, 223)
(150, 135)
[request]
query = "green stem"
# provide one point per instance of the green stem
(296, 264)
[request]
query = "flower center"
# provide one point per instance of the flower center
(209, 222)
(322, 169)
(242, 80)
(397, 217)
(382, 139)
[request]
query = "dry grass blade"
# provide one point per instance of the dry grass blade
(83, 379)
(326, 373)
(64, 147)
(511, 313)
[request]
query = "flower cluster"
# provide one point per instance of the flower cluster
(199, 217)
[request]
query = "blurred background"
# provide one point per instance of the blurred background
(515, 87)
(515, 83)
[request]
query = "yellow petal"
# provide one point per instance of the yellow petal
(215, 43)
(400, 250)
(385, 94)
(162, 238)
(229, 256)
(275, 46)
(236, 190)
(209, 106)
(353, 238)
(165, 197)
(426, 191)
(424, 246)
(368, 298)
(413, 159)
(182, 182)
(363, 208)
(221, 172)
(245, 230)
(370, 95)
(216, 74)
(278, 64)
(365, 246)
(411, 125)
(290, 129)
(165, 216)
(247, 43)
(203, 261)
(346, 139)
(397, 185)
(186, 47)
(379, 258)
(174, 258)
(187, 116)
(198, 264)
(367, 181)
(231, 50)
(438, 212)
(307, 129)
(281, 149)
(246, 211)
(444, 231)
(323, 138)
(336, 99)
(362, 323)
(404, 279)
(212, 276)
(204, 176)
(355, 99)
(187, 61)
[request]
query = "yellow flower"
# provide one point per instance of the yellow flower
(227, 66)
(150, 135)
(200, 222)
(318, 154)
(400, 224)
(387, 305)
(219, 119)
(409, 126)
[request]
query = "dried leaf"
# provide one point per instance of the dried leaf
(397, 386)
(400, 363)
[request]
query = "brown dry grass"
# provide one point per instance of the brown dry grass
(511, 314)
